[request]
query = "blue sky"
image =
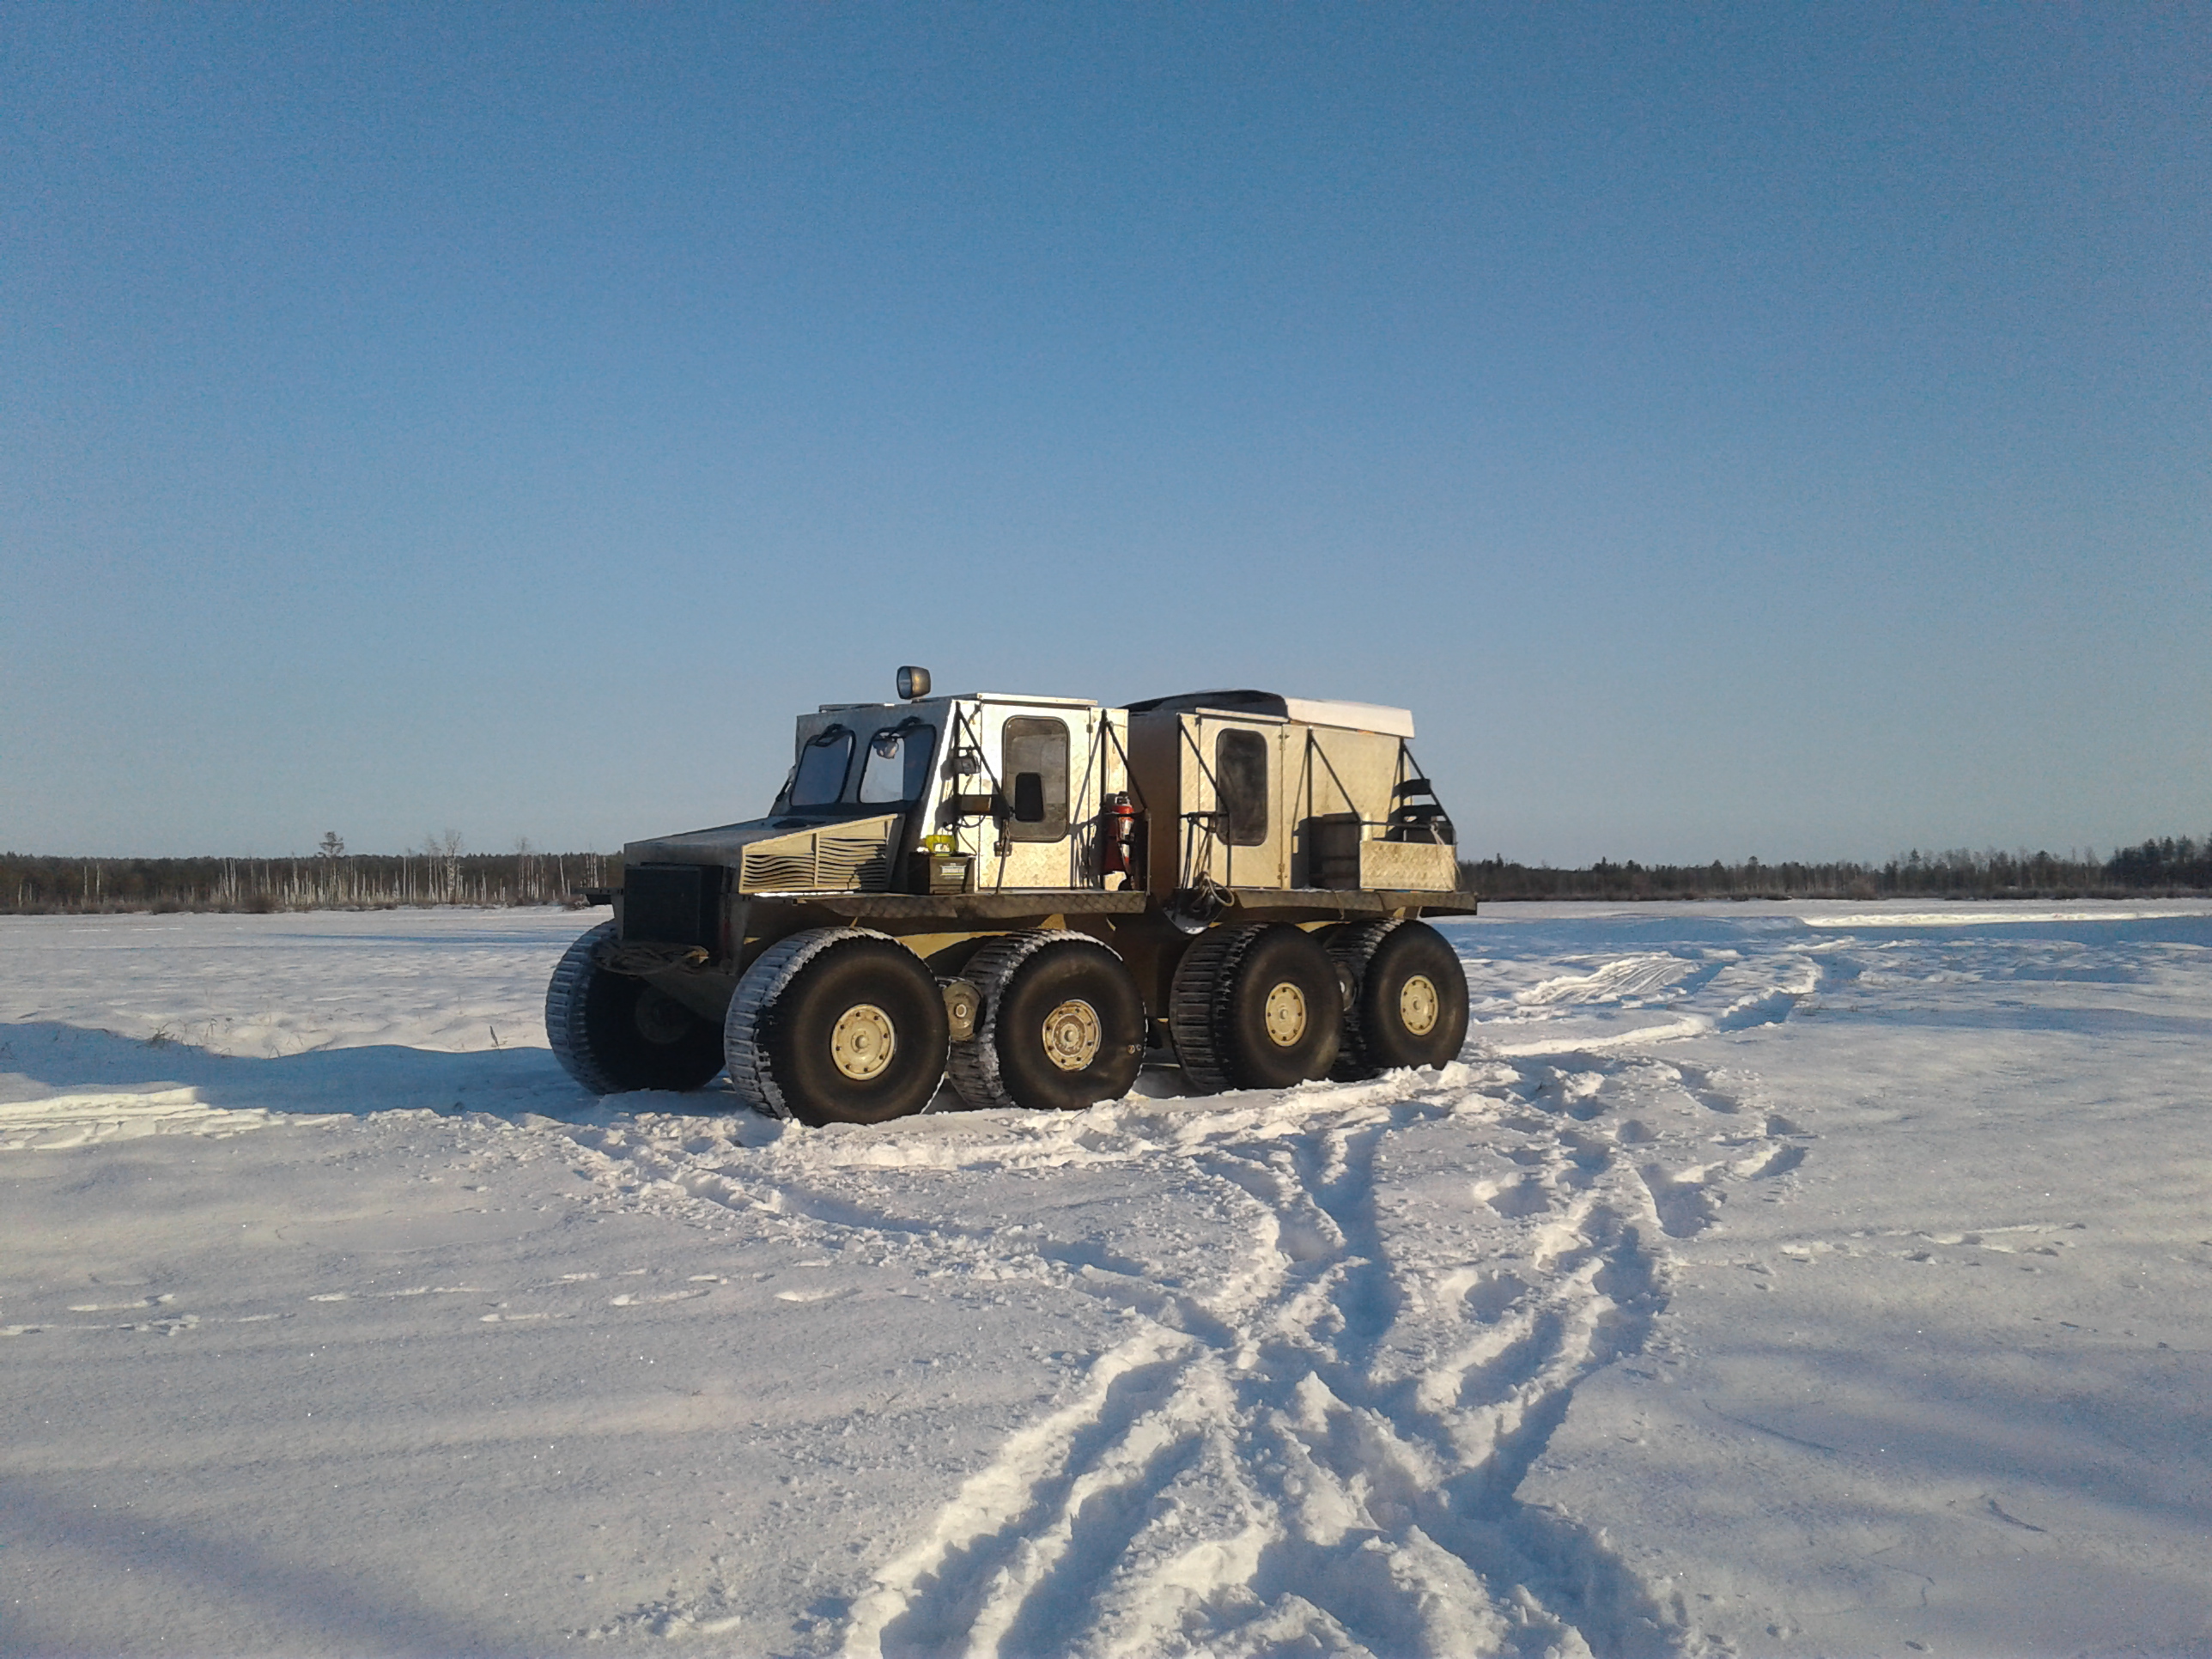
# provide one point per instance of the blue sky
(1738, 430)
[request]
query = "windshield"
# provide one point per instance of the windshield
(822, 764)
(897, 767)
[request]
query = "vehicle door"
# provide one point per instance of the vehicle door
(1235, 824)
(1042, 759)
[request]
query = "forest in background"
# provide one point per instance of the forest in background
(2173, 867)
(443, 872)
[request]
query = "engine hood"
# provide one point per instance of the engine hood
(790, 854)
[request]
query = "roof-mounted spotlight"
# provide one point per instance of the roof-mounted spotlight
(912, 684)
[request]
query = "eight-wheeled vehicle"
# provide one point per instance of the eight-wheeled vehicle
(1030, 895)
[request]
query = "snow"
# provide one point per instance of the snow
(1764, 1277)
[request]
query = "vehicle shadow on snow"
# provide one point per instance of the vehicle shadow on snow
(62, 1059)
(298, 1602)
(52, 1058)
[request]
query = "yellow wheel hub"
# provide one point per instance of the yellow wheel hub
(862, 1041)
(1073, 1035)
(1418, 1005)
(1287, 1015)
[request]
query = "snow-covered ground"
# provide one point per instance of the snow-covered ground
(1791, 1279)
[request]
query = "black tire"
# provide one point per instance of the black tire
(614, 1033)
(1408, 1002)
(1062, 1026)
(1226, 985)
(836, 1025)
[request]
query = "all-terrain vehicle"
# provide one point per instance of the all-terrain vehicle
(1030, 895)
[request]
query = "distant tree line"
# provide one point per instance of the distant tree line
(2169, 868)
(440, 872)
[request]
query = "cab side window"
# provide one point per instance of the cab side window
(1035, 755)
(1240, 773)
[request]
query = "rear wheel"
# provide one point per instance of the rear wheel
(1408, 1002)
(1063, 1024)
(836, 1025)
(1255, 1007)
(614, 1033)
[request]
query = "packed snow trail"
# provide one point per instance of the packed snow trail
(338, 1321)
(1315, 1432)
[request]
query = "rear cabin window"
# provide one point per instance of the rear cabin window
(820, 779)
(897, 768)
(1035, 752)
(1240, 774)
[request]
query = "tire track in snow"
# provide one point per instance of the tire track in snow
(1625, 981)
(1014, 1525)
(1763, 991)
(1299, 1489)
(1319, 1447)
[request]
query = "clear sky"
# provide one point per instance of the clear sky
(1740, 430)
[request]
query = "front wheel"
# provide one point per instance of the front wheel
(614, 1033)
(836, 1025)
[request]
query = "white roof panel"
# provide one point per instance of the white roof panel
(1311, 711)
(1356, 716)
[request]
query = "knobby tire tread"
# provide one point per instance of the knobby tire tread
(751, 1073)
(974, 1066)
(1198, 1007)
(1352, 949)
(565, 1027)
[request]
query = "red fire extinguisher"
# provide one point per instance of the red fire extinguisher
(1117, 838)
